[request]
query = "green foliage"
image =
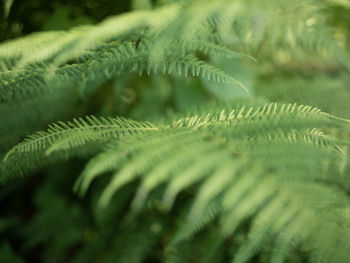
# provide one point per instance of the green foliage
(231, 141)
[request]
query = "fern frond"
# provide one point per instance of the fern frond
(101, 65)
(72, 135)
(83, 41)
(241, 173)
(79, 132)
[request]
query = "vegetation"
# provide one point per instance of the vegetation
(189, 131)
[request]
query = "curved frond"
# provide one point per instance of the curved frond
(277, 178)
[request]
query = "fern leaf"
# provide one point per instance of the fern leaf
(277, 178)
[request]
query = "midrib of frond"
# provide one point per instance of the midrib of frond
(31, 143)
(88, 65)
(267, 111)
(313, 136)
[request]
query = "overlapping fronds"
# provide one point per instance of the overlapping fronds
(47, 59)
(94, 67)
(247, 181)
(277, 166)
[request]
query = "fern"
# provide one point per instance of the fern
(248, 180)
(260, 177)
